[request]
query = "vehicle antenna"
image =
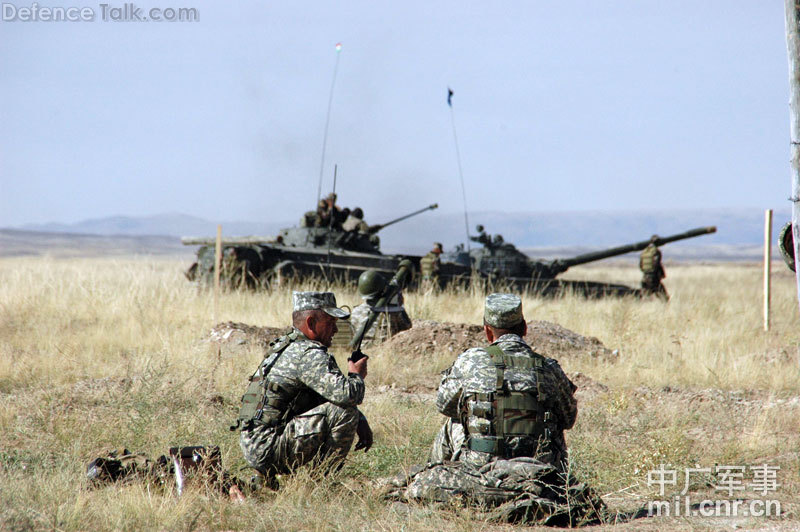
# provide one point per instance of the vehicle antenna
(330, 224)
(458, 158)
(327, 122)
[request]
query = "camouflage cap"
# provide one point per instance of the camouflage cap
(318, 301)
(503, 310)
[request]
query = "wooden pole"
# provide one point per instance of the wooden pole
(793, 49)
(767, 263)
(217, 264)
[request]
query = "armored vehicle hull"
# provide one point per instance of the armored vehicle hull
(326, 253)
(500, 263)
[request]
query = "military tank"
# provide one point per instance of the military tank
(501, 263)
(328, 253)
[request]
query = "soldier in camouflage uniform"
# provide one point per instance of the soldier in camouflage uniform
(538, 387)
(652, 270)
(393, 317)
(355, 222)
(429, 267)
(502, 446)
(299, 406)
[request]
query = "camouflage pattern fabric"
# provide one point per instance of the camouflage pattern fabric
(311, 410)
(502, 310)
(473, 372)
(325, 301)
(323, 433)
(388, 323)
(535, 488)
(519, 490)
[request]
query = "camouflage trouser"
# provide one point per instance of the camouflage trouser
(448, 442)
(651, 285)
(522, 490)
(324, 432)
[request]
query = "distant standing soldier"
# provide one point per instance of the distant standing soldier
(430, 265)
(393, 317)
(652, 270)
(299, 407)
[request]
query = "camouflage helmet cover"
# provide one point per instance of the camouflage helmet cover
(502, 311)
(370, 284)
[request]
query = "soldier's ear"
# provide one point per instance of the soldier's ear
(488, 332)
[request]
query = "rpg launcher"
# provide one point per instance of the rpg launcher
(392, 288)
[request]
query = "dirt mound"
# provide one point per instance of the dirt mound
(426, 336)
(233, 333)
(549, 339)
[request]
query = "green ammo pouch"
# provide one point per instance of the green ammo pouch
(251, 402)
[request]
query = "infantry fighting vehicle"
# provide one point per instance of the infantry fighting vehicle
(307, 251)
(502, 263)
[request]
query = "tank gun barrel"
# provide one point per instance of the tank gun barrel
(232, 241)
(378, 227)
(561, 265)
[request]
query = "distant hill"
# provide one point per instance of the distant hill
(173, 224)
(16, 243)
(739, 231)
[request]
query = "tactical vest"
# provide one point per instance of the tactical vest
(491, 419)
(262, 393)
(650, 259)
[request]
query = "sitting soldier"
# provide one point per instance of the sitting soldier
(299, 406)
(502, 446)
(355, 222)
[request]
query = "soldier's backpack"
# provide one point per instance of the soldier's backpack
(650, 260)
(121, 464)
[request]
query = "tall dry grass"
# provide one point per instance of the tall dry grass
(98, 354)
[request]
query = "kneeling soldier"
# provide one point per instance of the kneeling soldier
(299, 406)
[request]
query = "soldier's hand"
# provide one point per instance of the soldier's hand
(364, 434)
(359, 367)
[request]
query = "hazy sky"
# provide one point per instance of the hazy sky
(590, 105)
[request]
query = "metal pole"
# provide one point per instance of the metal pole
(767, 263)
(217, 264)
(793, 49)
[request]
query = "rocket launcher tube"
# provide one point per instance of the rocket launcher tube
(392, 288)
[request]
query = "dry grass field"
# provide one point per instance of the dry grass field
(97, 354)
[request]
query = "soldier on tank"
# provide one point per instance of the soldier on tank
(429, 266)
(299, 407)
(652, 270)
(393, 317)
(355, 222)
